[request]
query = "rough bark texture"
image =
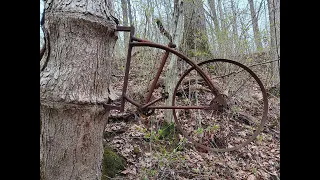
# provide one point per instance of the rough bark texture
(71, 142)
(256, 31)
(73, 84)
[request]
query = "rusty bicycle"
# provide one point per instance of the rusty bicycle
(218, 105)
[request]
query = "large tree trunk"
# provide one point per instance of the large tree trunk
(274, 18)
(256, 31)
(73, 85)
(195, 35)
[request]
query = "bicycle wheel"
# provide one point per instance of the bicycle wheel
(220, 128)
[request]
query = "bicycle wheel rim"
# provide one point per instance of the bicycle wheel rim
(263, 119)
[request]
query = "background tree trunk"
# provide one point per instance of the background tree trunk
(215, 21)
(274, 18)
(73, 85)
(223, 36)
(221, 14)
(235, 35)
(172, 69)
(256, 31)
(124, 8)
(130, 14)
(195, 34)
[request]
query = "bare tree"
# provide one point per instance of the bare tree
(195, 35)
(221, 14)
(124, 8)
(215, 20)
(130, 13)
(274, 18)
(235, 34)
(256, 31)
(171, 73)
(223, 36)
(80, 37)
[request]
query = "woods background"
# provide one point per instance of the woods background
(243, 30)
(247, 31)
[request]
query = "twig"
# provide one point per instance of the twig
(185, 172)
(115, 75)
(266, 62)
(248, 67)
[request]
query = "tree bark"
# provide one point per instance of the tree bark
(256, 31)
(73, 85)
(215, 22)
(223, 35)
(274, 18)
(195, 34)
(172, 73)
(223, 24)
(125, 21)
(130, 13)
(235, 34)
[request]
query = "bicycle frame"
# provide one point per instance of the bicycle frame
(134, 41)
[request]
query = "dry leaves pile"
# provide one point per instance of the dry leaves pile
(148, 158)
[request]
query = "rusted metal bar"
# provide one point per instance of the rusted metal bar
(153, 85)
(126, 75)
(123, 28)
(164, 107)
(140, 40)
(131, 101)
(150, 103)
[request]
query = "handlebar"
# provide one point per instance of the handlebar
(160, 26)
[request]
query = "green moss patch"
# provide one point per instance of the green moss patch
(112, 164)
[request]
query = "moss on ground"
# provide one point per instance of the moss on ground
(112, 164)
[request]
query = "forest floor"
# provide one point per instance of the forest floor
(150, 157)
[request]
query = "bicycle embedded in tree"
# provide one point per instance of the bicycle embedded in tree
(212, 101)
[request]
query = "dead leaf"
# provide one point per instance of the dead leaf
(130, 170)
(251, 177)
